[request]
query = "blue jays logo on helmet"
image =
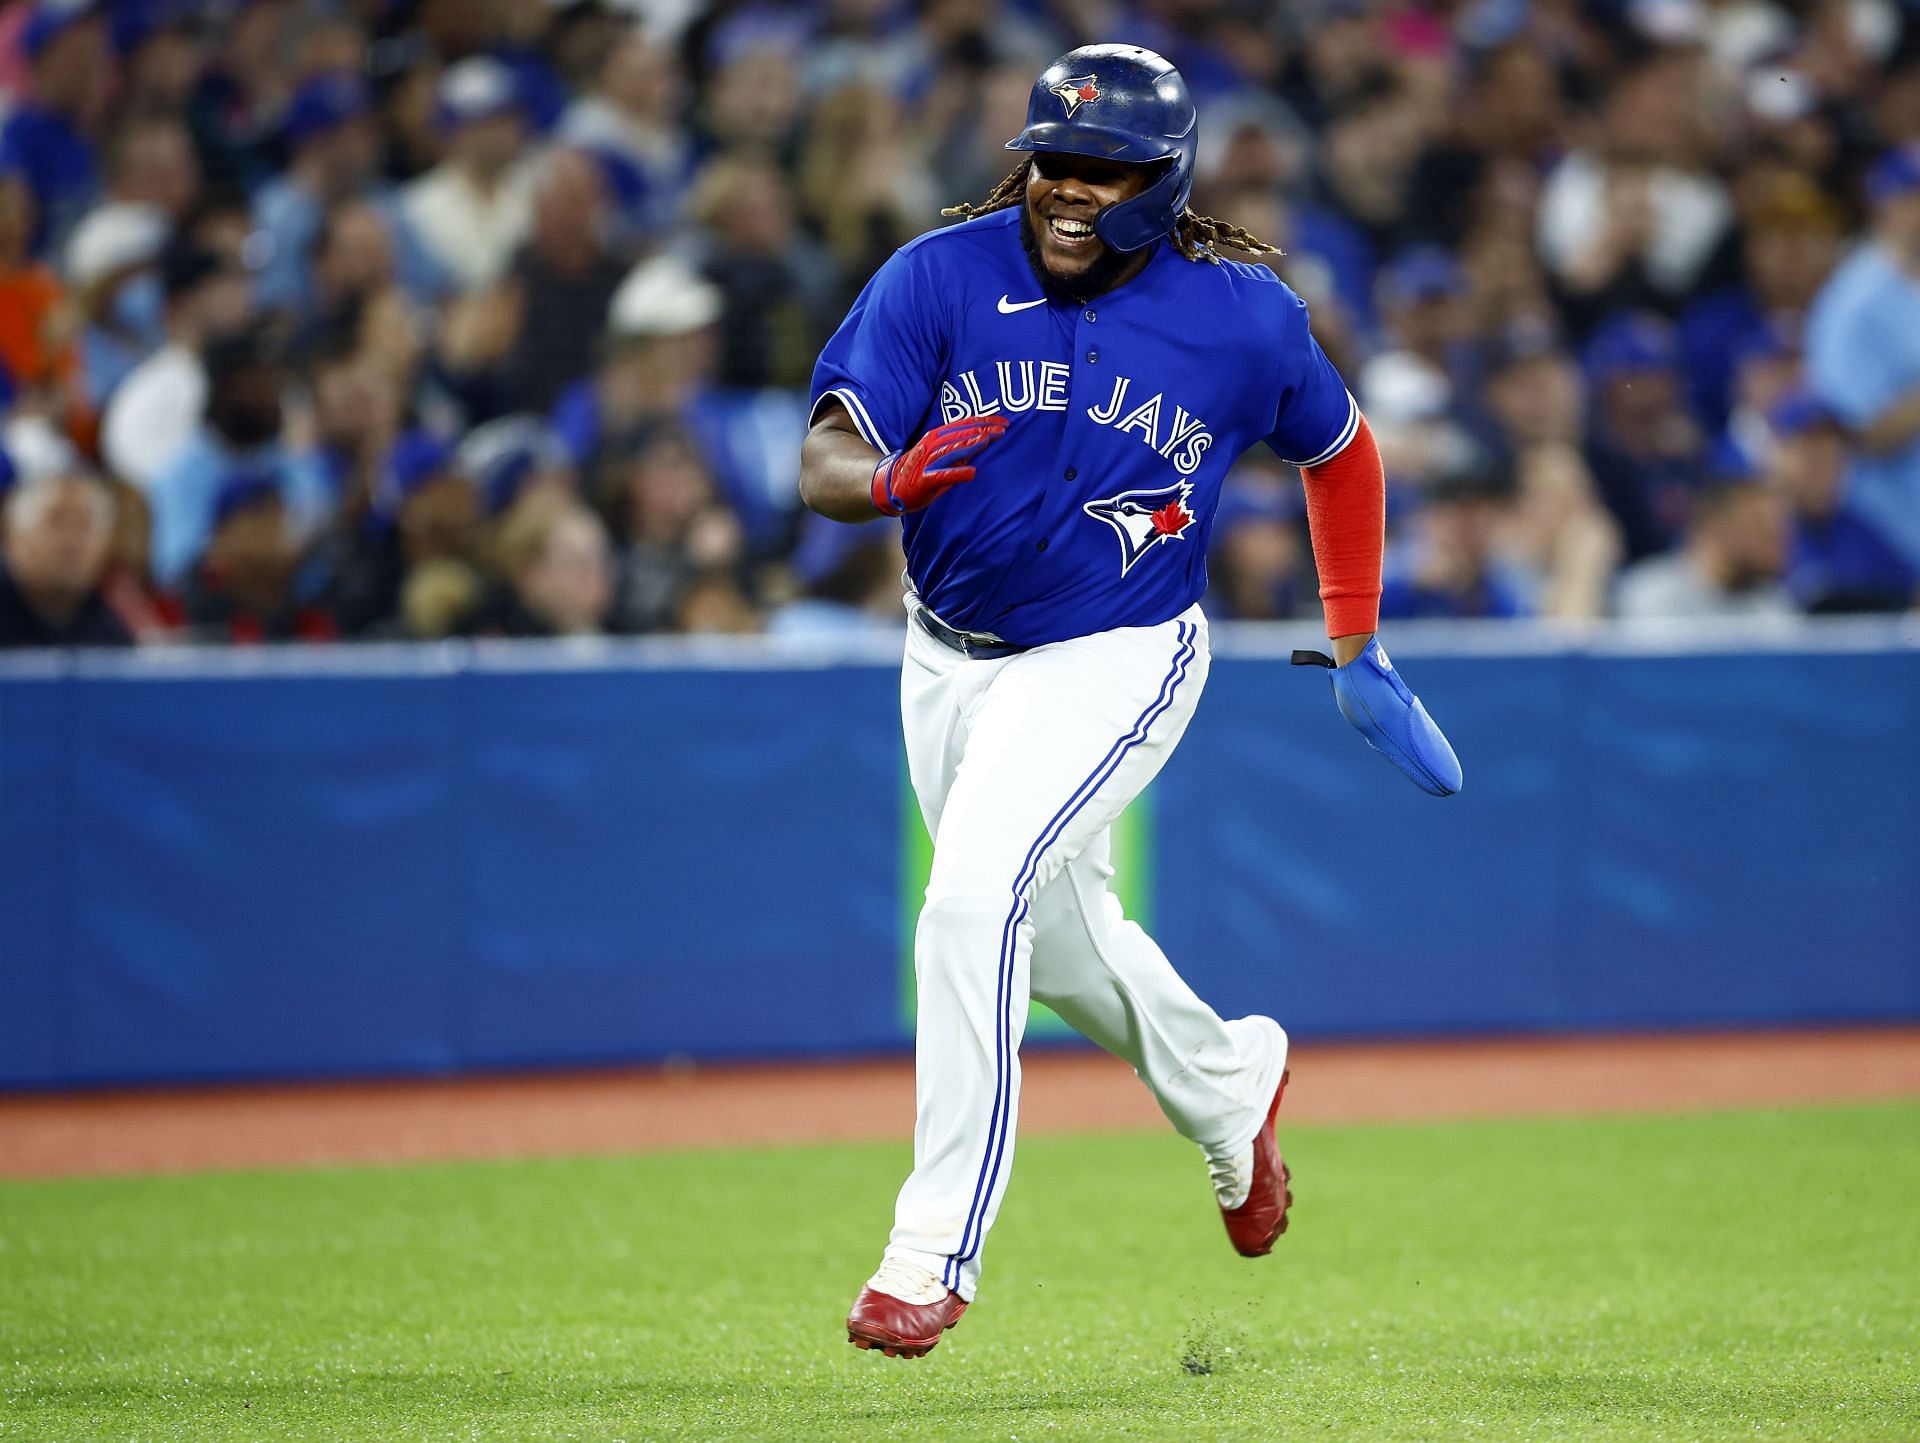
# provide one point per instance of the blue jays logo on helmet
(1076, 91)
(1144, 519)
(1120, 102)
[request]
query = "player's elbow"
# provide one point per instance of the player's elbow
(813, 479)
(835, 474)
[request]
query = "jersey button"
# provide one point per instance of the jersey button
(1091, 316)
(1071, 473)
(1041, 544)
(1092, 357)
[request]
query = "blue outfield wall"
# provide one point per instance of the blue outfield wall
(433, 859)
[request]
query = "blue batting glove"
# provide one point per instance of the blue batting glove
(1373, 698)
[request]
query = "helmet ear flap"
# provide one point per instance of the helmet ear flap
(1131, 225)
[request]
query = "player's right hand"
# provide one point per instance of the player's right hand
(1372, 697)
(909, 480)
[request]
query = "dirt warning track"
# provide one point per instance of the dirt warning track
(188, 1129)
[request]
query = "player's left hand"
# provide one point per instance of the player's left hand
(1372, 697)
(911, 480)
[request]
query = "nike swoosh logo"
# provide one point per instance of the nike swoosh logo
(1008, 306)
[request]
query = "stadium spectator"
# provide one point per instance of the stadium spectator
(1730, 564)
(426, 509)
(1767, 368)
(334, 154)
(714, 604)
(243, 428)
(52, 552)
(863, 184)
(559, 570)
(127, 581)
(655, 359)
(776, 289)
(1532, 390)
(243, 589)
(360, 308)
(1863, 352)
(1450, 564)
(516, 456)
(241, 95)
(111, 268)
(1642, 443)
(151, 162)
(850, 580)
(111, 255)
(563, 282)
(1563, 545)
(1787, 249)
(1369, 151)
(630, 120)
(353, 267)
(37, 340)
(581, 36)
(473, 210)
(332, 148)
(1426, 347)
(1636, 219)
(162, 61)
(753, 97)
(151, 415)
(355, 411)
(440, 599)
(52, 141)
(38, 447)
(1510, 121)
(670, 524)
(1259, 565)
(1839, 561)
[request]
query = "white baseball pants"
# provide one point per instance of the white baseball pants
(1021, 764)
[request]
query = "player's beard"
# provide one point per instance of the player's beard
(1100, 276)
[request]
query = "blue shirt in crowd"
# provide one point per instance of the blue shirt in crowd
(1842, 563)
(1863, 355)
(183, 493)
(1404, 597)
(291, 217)
(59, 165)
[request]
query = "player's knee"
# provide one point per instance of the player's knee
(966, 909)
(960, 937)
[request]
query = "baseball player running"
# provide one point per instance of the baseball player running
(1049, 396)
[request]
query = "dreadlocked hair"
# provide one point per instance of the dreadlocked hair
(1197, 237)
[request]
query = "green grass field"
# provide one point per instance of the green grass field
(1742, 1275)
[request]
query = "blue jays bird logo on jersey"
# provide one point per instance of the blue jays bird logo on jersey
(1076, 92)
(1145, 519)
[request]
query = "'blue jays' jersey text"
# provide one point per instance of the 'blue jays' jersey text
(1125, 412)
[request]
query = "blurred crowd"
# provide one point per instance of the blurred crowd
(425, 318)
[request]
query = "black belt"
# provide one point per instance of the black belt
(971, 644)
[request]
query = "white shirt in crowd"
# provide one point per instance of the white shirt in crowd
(472, 234)
(1673, 586)
(153, 413)
(1691, 212)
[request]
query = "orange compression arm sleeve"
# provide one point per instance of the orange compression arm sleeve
(1347, 520)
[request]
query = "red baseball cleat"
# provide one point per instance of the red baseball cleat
(1253, 1226)
(903, 1327)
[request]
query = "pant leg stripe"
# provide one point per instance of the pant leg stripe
(1002, 1092)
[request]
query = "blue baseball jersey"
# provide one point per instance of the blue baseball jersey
(1125, 412)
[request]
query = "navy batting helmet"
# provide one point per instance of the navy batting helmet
(1119, 102)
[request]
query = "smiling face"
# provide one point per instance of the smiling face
(1064, 194)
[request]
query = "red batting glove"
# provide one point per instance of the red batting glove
(904, 481)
